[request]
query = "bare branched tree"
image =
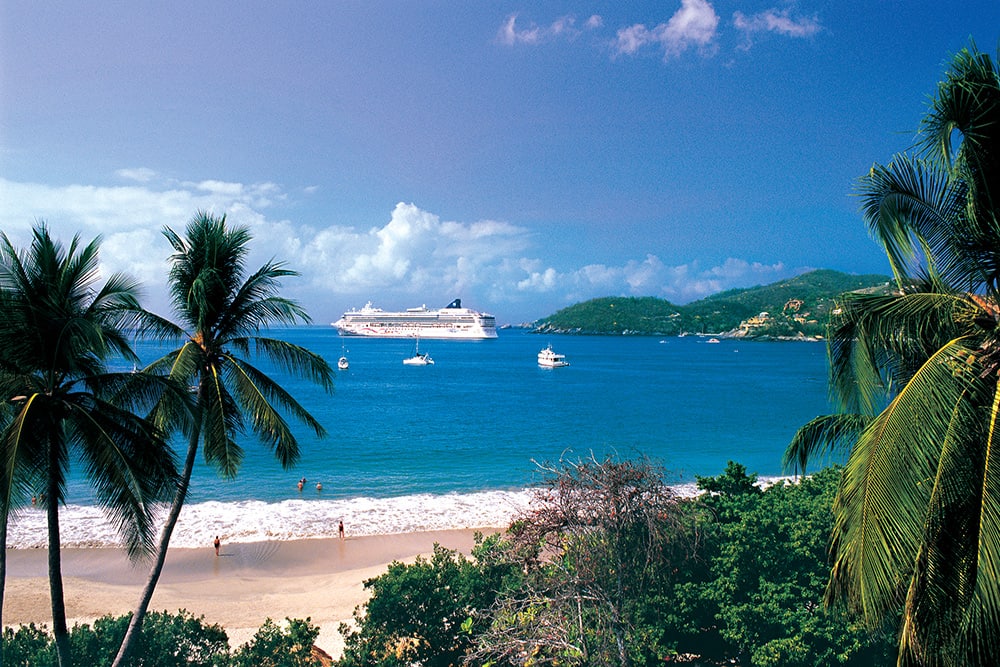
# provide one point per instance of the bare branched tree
(597, 535)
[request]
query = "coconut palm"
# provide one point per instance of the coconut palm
(917, 374)
(223, 311)
(58, 331)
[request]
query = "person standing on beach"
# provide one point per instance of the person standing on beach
(340, 529)
(217, 544)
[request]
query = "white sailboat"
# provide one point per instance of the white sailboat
(418, 358)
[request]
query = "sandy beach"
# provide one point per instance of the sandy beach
(247, 583)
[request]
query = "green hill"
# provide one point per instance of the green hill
(790, 308)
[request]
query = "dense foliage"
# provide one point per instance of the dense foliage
(423, 613)
(609, 568)
(166, 640)
(817, 290)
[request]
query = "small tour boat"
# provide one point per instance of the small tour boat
(549, 359)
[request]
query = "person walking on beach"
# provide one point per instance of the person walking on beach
(217, 544)
(340, 529)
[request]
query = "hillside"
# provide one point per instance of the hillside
(793, 308)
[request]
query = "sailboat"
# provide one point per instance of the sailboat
(418, 358)
(342, 363)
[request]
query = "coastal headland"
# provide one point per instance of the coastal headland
(320, 579)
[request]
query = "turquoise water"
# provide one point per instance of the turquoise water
(412, 448)
(484, 411)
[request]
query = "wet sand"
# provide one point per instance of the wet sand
(322, 579)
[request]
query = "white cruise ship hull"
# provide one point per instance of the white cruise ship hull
(453, 321)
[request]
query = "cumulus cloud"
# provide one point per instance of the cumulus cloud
(412, 257)
(563, 27)
(779, 21)
(695, 24)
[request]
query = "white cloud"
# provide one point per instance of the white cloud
(563, 27)
(140, 175)
(412, 257)
(778, 21)
(695, 24)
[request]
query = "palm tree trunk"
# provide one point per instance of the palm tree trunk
(135, 624)
(3, 564)
(59, 630)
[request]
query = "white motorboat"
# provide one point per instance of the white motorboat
(343, 364)
(547, 358)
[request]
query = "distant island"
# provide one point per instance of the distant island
(793, 309)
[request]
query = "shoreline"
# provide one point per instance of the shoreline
(249, 582)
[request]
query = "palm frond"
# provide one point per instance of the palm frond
(948, 603)
(256, 305)
(294, 360)
(129, 463)
(878, 342)
(821, 437)
(887, 485)
(256, 393)
(220, 419)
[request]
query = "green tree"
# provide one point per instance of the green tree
(428, 612)
(768, 569)
(916, 373)
(274, 646)
(222, 311)
(58, 330)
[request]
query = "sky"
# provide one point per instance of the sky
(520, 156)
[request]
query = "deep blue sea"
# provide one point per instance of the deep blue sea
(456, 443)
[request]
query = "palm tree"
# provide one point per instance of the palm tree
(58, 330)
(223, 311)
(917, 375)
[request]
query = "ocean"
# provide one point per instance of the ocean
(458, 444)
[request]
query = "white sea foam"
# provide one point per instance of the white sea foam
(256, 521)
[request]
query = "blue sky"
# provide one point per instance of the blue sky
(522, 157)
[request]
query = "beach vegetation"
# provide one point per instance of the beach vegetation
(609, 567)
(59, 331)
(222, 308)
(916, 374)
(757, 597)
(595, 542)
(279, 645)
(166, 639)
(429, 612)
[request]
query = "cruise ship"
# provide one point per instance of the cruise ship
(452, 321)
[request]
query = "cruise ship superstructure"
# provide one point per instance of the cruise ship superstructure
(452, 321)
